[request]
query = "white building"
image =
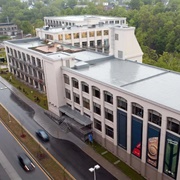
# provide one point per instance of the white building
(133, 108)
(110, 35)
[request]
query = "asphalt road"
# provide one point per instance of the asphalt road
(9, 149)
(67, 153)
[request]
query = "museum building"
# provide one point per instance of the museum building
(132, 108)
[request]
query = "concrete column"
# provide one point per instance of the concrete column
(115, 122)
(162, 144)
(102, 117)
(80, 97)
(128, 132)
(144, 141)
(91, 103)
(71, 91)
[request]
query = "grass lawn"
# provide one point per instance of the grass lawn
(40, 99)
(55, 170)
(132, 174)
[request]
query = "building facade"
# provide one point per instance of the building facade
(109, 35)
(8, 29)
(133, 108)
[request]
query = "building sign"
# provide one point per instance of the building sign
(136, 137)
(122, 129)
(171, 155)
(153, 138)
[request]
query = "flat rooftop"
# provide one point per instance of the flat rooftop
(83, 18)
(158, 85)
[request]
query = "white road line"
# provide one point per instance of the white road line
(8, 167)
(3, 88)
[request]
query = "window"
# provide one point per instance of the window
(28, 58)
(92, 44)
(108, 114)
(77, 110)
(96, 92)
(109, 131)
(8, 50)
(108, 97)
(85, 87)
(60, 36)
(97, 108)
(24, 57)
(69, 105)
(38, 62)
(91, 34)
(19, 54)
(116, 22)
(84, 34)
(120, 54)
(76, 98)
(33, 60)
(117, 37)
(137, 110)
(106, 32)
(173, 125)
(122, 103)
(67, 36)
(97, 125)
(154, 117)
(86, 103)
(87, 115)
(75, 83)
(84, 44)
(99, 33)
(66, 79)
(15, 53)
(68, 94)
(76, 35)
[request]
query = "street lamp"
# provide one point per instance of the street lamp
(94, 170)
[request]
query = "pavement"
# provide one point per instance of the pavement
(54, 129)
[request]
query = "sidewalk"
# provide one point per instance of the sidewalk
(55, 130)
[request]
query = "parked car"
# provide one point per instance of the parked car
(42, 135)
(26, 162)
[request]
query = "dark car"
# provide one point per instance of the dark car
(26, 162)
(42, 134)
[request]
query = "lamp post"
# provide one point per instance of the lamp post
(94, 170)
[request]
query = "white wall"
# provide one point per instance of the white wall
(53, 76)
(128, 44)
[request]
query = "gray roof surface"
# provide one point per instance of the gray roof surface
(158, 85)
(82, 18)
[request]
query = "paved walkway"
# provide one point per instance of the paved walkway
(54, 129)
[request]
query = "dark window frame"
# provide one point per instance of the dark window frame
(97, 124)
(109, 131)
(137, 110)
(154, 117)
(121, 103)
(108, 97)
(108, 114)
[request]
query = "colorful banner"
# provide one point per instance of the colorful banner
(136, 137)
(171, 155)
(153, 138)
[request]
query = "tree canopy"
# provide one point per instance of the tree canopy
(157, 24)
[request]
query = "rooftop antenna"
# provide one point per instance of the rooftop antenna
(7, 19)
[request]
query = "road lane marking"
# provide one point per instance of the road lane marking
(3, 88)
(8, 167)
(26, 150)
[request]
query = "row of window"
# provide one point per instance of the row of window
(153, 116)
(82, 35)
(60, 23)
(25, 57)
(8, 28)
